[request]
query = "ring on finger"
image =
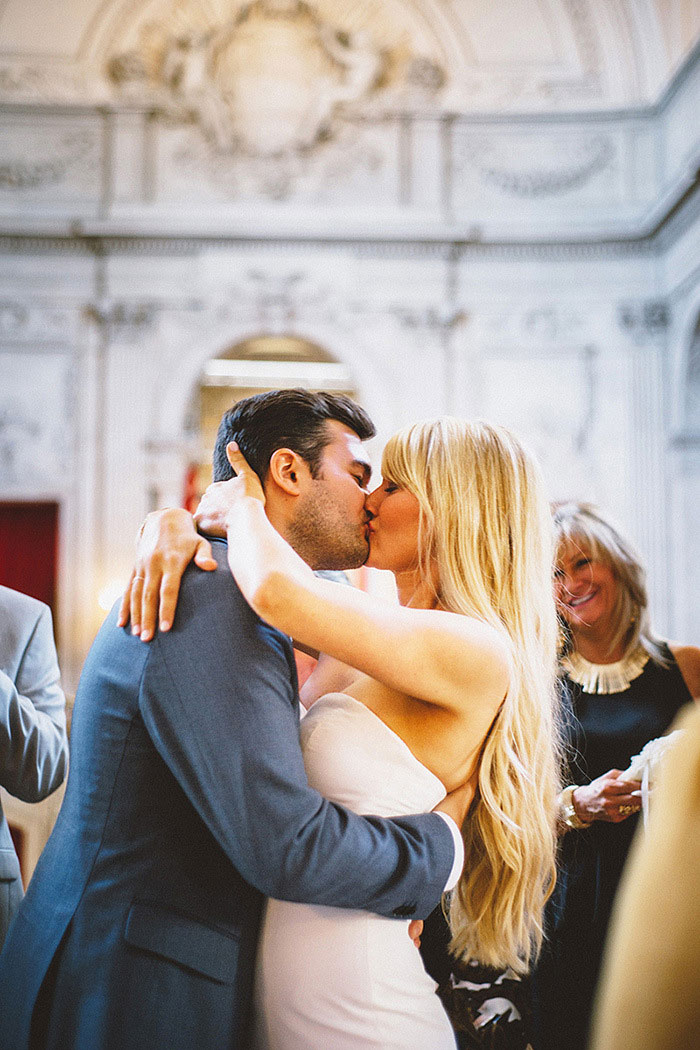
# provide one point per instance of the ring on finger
(626, 810)
(139, 578)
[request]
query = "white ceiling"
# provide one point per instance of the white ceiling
(497, 55)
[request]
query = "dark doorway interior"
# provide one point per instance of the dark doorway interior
(29, 549)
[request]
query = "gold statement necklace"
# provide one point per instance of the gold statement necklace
(605, 678)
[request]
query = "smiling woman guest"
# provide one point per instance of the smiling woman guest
(624, 686)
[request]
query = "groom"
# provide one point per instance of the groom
(187, 799)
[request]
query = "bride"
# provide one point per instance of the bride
(454, 685)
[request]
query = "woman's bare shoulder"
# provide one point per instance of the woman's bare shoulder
(477, 632)
(475, 652)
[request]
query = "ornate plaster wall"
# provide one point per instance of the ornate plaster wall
(538, 267)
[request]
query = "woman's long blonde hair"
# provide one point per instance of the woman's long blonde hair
(485, 521)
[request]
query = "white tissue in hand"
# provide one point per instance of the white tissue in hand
(650, 757)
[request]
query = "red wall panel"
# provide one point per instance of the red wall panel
(29, 549)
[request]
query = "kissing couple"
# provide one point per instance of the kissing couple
(191, 797)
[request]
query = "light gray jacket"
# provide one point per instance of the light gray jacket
(33, 742)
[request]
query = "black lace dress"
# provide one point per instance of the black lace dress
(488, 1009)
(605, 732)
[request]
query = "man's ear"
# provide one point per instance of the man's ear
(288, 471)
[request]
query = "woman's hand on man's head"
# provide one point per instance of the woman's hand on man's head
(212, 513)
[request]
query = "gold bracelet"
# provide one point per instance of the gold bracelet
(567, 810)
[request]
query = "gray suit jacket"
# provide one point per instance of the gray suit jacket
(33, 744)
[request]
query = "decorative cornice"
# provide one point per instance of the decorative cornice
(78, 238)
(449, 248)
(17, 244)
(567, 167)
(678, 80)
(680, 216)
(159, 233)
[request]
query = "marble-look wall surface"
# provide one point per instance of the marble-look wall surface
(538, 271)
(680, 273)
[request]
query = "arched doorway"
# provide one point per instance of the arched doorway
(247, 367)
(252, 366)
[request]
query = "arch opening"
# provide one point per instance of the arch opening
(252, 366)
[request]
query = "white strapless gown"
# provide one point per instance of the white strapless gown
(331, 978)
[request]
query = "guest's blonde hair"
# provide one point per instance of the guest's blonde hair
(586, 527)
(485, 522)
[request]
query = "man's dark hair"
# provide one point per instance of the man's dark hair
(294, 419)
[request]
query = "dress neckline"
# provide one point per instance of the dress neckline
(394, 734)
(605, 678)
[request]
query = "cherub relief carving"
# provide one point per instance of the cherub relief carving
(270, 81)
(265, 82)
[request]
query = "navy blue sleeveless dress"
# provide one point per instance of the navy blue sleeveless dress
(605, 732)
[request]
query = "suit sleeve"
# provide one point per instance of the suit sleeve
(220, 706)
(33, 742)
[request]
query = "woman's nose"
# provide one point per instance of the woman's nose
(576, 583)
(372, 502)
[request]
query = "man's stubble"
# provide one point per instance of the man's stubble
(321, 533)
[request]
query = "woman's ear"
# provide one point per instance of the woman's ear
(288, 471)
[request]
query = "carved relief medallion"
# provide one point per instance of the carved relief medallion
(266, 82)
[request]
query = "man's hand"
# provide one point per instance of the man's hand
(457, 803)
(415, 929)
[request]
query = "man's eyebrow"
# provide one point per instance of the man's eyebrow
(364, 466)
